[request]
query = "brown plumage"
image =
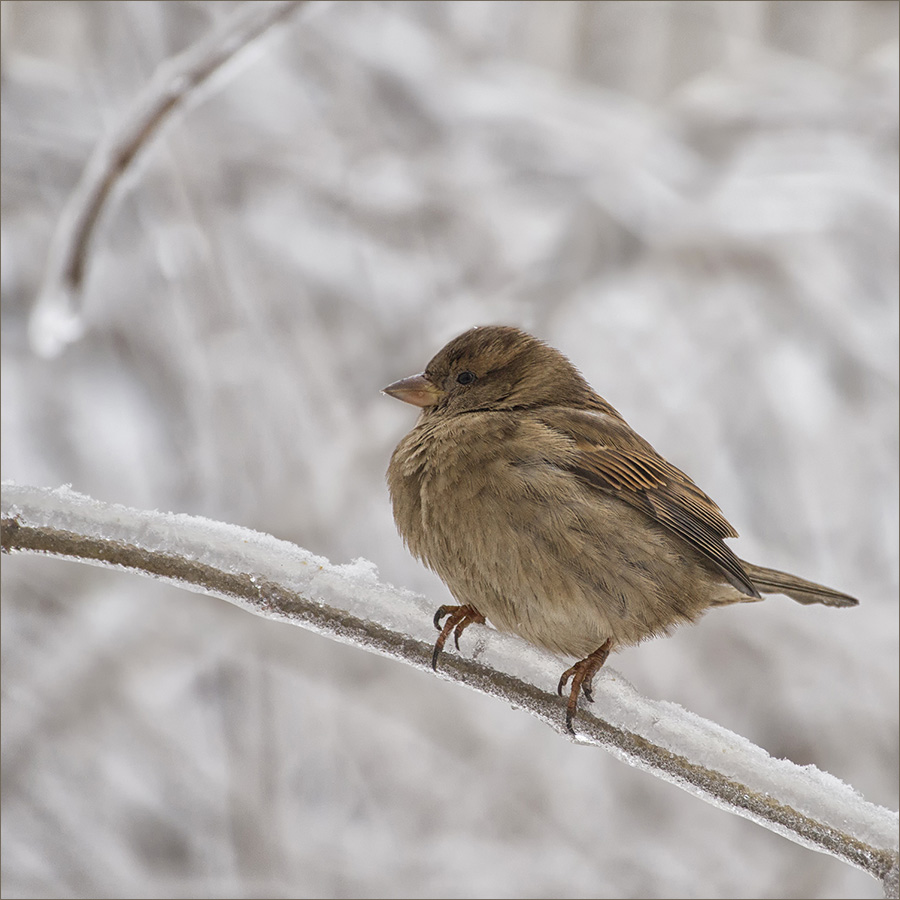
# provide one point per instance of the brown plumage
(542, 510)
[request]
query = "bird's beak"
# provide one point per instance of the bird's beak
(416, 389)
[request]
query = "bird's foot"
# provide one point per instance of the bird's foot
(460, 618)
(582, 675)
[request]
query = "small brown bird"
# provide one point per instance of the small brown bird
(542, 510)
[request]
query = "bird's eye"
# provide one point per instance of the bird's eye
(465, 377)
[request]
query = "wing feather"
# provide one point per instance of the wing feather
(610, 457)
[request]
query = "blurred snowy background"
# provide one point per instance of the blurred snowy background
(696, 201)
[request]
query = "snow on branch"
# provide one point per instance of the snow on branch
(56, 319)
(279, 580)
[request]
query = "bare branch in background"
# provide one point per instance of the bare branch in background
(274, 579)
(56, 319)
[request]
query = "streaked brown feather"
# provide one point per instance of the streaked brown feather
(610, 457)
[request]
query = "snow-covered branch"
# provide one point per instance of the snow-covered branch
(56, 317)
(275, 579)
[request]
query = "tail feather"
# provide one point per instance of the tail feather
(770, 581)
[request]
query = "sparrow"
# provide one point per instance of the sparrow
(546, 514)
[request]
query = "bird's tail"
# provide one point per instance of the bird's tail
(770, 581)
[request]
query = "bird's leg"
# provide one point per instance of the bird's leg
(460, 617)
(582, 675)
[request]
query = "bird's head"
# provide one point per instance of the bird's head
(494, 368)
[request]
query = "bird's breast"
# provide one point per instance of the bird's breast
(460, 486)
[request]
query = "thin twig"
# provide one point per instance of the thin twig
(56, 317)
(31, 523)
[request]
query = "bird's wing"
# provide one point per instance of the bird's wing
(609, 456)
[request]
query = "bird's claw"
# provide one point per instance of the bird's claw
(460, 618)
(582, 675)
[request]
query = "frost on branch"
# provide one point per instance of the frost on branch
(279, 580)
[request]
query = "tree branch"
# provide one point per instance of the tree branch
(278, 580)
